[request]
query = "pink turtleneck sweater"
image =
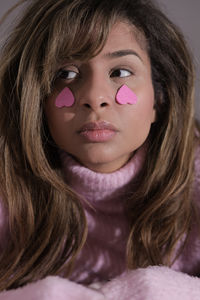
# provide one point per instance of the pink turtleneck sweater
(108, 230)
(100, 270)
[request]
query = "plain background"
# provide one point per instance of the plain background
(184, 13)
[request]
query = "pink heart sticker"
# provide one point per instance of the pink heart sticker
(65, 98)
(126, 96)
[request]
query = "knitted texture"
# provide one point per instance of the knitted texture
(107, 223)
(108, 230)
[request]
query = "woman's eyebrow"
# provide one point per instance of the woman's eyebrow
(121, 53)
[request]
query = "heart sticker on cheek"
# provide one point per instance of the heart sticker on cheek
(126, 96)
(65, 98)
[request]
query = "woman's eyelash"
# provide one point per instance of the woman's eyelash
(121, 73)
(71, 74)
(67, 74)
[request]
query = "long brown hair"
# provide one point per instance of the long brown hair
(46, 220)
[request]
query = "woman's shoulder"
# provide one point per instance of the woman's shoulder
(189, 260)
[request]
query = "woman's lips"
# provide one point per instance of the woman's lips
(100, 135)
(98, 131)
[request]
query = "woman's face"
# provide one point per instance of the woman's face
(97, 130)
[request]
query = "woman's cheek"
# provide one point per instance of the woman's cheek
(65, 98)
(123, 96)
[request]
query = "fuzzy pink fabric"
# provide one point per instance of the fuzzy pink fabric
(107, 223)
(101, 264)
(52, 288)
(152, 283)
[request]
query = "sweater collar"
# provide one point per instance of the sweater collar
(100, 186)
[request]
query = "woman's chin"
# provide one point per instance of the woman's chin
(103, 163)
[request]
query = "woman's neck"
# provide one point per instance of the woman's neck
(95, 186)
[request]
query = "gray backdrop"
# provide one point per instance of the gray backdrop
(184, 13)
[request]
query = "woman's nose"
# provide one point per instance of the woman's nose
(95, 94)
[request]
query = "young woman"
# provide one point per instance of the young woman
(98, 146)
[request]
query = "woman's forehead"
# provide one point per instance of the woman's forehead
(122, 35)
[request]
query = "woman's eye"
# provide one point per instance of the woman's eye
(121, 73)
(67, 74)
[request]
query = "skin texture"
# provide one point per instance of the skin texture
(94, 84)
